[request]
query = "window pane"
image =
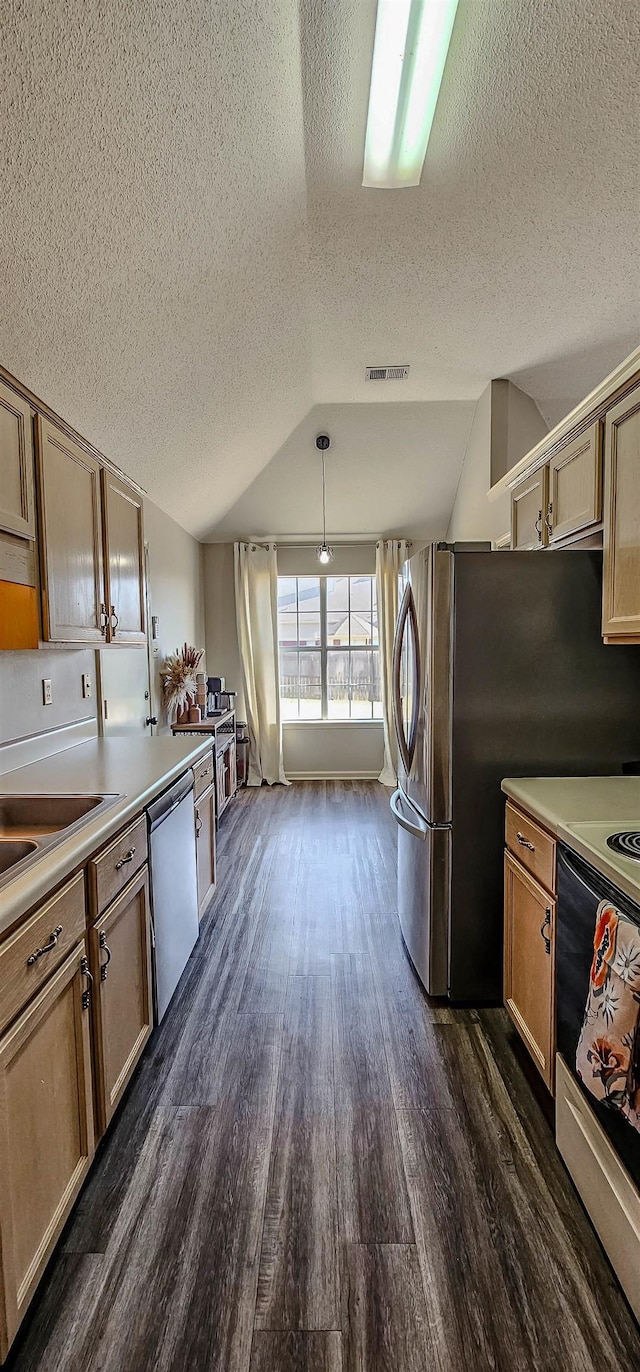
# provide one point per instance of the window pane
(337, 593)
(288, 684)
(337, 628)
(310, 685)
(361, 684)
(338, 685)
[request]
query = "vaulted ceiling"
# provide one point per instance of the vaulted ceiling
(190, 263)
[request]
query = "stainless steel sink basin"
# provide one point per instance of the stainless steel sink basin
(43, 814)
(13, 851)
(31, 825)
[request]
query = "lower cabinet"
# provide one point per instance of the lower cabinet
(205, 823)
(46, 1130)
(529, 962)
(123, 1000)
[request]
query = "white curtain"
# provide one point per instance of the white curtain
(256, 577)
(389, 559)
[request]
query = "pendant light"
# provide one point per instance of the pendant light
(323, 551)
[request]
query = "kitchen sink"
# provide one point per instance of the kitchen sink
(31, 825)
(43, 814)
(14, 850)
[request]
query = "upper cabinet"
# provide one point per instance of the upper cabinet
(528, 506)
(92, 546)
(574, 489)
(17, 504)
(621, 604)
(124, 561)
(580, 486)
(72, 578)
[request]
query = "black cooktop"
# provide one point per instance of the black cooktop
(626, 842)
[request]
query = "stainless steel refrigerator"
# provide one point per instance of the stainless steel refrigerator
(499, 670)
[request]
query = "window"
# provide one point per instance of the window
(329, 654)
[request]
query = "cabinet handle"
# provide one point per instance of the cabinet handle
(86, 994)
(113, 617)
(53, 939)
(104, 965)
(548, 517)
(538, 525)
(128, 857)
(525, 842)
(104, 618)
(198, 823)
(546, 925)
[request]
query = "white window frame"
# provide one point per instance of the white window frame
(325, 649)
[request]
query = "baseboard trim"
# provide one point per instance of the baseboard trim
(332, 776)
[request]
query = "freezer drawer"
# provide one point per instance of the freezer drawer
(424, 859)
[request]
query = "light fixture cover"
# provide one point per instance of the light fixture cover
(409, 54)
(324, 553)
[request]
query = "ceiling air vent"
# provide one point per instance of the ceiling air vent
(386, 373)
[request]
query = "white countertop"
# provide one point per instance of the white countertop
(582, 812)
(135, 769)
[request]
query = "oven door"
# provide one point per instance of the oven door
(580, 891)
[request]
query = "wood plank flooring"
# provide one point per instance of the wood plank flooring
(316, 1169)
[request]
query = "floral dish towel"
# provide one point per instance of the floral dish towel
(608, 1054)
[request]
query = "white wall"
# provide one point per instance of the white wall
(474, 516)
(223, 656)
(22, 712)
(322, 749)
(176, 592)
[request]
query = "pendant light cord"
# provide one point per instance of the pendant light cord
(324, 506)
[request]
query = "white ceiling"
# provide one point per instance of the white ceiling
(391, 469)
(190, 262)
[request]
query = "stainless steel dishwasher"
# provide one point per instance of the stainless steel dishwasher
(174, 889)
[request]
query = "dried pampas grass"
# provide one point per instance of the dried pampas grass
(179, 676)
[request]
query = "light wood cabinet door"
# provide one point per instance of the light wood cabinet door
(73, 600)
(232, 769)
(529, 961)
(221, 797)
(17, 505)
(46, 1131)
(205, 822)
(528, 506)
(621, 600)
(124, 561)
(575, 486)
(123, 1005)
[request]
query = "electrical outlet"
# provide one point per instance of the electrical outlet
(47, 693)
(86, 686)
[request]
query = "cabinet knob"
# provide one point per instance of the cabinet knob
(53, 939)
(104, 965)
(524, 842)
(128, 857)
(546, 925)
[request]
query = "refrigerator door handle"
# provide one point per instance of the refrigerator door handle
(418, 827)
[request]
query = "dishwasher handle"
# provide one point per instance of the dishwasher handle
(161, 808)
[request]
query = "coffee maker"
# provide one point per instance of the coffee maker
(219, 700)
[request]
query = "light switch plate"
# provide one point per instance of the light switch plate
(47, 692)
(86, 686)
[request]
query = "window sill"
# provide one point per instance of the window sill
(332, 723)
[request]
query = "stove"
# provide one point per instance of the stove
(627, 842)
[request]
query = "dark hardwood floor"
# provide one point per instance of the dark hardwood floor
(315, 1169)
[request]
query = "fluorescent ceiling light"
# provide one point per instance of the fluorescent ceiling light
(410, 50)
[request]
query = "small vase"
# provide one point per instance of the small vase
(194, 714)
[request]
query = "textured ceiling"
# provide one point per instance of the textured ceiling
(189, 261)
